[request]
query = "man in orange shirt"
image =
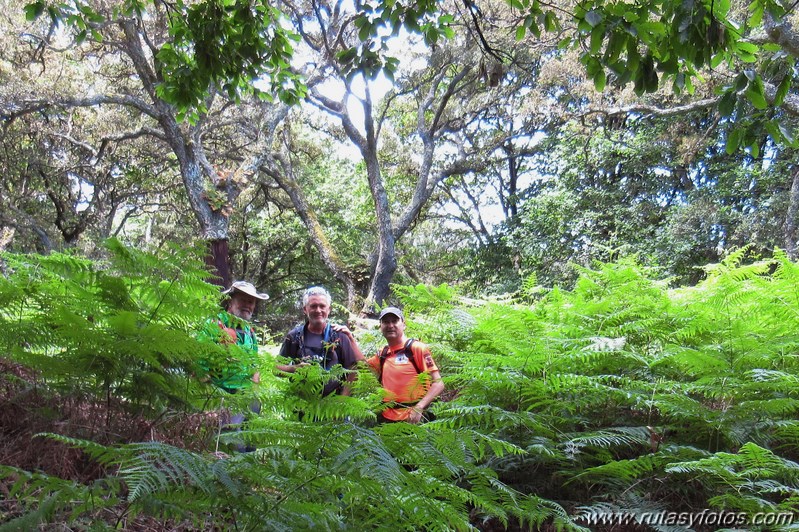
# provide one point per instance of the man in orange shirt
(406, 371)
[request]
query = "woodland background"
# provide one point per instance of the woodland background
(588, 209)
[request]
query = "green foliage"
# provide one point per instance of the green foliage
(636, 42)
(752, 480)
(230, 45)
(121, 328)
(215, 44)
(371, 57)
(634, 190)
(619, 395)
(322, 474)
(629, 397)
(43, 498)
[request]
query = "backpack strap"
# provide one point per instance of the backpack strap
(382, 358)
(329, 338)
(299, 339)
(294, 343)
(408, 353)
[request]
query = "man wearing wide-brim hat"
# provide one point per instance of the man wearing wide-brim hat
(233, 327)
(235, 368)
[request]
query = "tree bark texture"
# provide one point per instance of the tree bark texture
(284, 178)
(218, 261)
(791, 233)
(186, 143)
(386, 263)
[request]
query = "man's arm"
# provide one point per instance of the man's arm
(285, 352)
(436, 386)
(351, 352)
(289, 368)
(435, 390)
(356, 349)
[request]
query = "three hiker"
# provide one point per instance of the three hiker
(405, 367)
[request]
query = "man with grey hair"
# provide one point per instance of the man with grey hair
(317, 341)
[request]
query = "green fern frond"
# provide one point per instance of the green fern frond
(47, 499)
(623, 471)
(617, 436)
(691, 362)
(490, 418)
(752, 461)
(151, 467)
(103, 454)
(367, 454)
(535, 511)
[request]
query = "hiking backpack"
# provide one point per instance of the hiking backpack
(297, 338)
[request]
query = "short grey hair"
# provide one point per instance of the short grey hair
(316, 291)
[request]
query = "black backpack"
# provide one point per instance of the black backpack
(405, 350)
(296, 337)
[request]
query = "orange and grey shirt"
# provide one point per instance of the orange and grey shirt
(404, 386)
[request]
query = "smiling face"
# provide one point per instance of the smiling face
(242, 305)
(392, 328)
(317, 310)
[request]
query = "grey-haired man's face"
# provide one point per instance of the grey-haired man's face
(317, 310)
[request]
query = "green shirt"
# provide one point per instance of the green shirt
(233, 368)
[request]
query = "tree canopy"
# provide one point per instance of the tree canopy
(481, 99)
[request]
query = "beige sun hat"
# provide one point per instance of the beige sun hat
(247, 288)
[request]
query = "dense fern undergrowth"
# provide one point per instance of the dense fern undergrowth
(619, 396)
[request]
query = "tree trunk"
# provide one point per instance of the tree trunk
(218, 262)
(386, 263)
(512, 209)
(308, 216)
(791, 235)
(432, 119)
(197, 174)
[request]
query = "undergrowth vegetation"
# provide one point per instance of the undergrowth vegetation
(620, 395)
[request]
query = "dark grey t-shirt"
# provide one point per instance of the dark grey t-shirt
(311, 349)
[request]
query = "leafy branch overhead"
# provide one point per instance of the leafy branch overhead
(236, 46)
(242, 47)
(649, 43)
(680, 38)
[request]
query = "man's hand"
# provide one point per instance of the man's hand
(291, 368)
(415, 415)
(343, 329)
